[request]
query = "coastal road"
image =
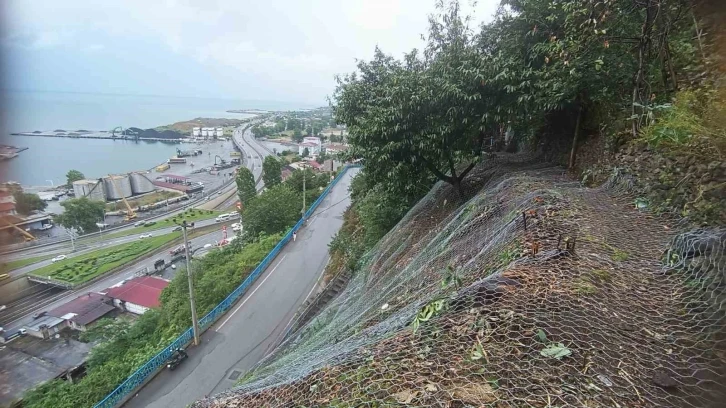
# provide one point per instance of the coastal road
(19, 313)
(255, 325)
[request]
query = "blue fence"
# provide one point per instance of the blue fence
(152, 366)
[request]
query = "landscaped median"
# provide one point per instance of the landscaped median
(190, 214)
(81, 269)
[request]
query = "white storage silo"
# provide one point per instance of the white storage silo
(117, 187)
(140, 183)
(91, 189)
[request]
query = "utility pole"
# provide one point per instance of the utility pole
(195, 322)
(303, 208)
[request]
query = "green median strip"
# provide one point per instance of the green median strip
(86, 267)
(6, 267)
(191, 215)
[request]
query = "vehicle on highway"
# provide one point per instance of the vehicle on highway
(207, 246)
(149, 223)
(223, 217)
(177, 228)
(39, 315)
(4, 276)
(237, 227)
(45, 227)
(139, 223)
(142, 236)
(3, 307)
(58, 258)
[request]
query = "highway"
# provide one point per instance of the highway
(256, 324)
(20, 312)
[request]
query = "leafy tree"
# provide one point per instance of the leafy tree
(81, 214)
(245, 185)
(25, 203)
(271, 171)
(305, 152)
(297, 135)
(273, 211)
(74, 175)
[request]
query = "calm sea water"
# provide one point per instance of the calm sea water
(51, 158)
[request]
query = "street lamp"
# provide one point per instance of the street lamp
(195, 322)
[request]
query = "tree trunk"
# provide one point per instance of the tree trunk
(574, 139)
(638, 78)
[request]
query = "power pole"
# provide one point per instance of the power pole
(303, 208)
(195, 322)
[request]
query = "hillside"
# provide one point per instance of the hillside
(533, 291)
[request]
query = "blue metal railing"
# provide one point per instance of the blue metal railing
(152, 366)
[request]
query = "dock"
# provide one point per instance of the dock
(99, 136)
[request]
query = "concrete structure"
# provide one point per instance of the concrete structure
(332, 165)
(46, 327)
(93, 189)
(196, 132)
(117, 187)
(220, 132)
(137, 295)
(84, 310)
(140, 183)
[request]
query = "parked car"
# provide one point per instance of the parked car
(45, 227)
(139, 223)
(142, 236)
(39, 315)
(58, 258)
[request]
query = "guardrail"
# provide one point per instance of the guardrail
(151, 367)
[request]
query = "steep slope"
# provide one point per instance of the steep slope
(534, 291)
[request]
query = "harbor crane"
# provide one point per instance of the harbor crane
(130, 214)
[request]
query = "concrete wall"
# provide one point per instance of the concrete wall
(15, 289)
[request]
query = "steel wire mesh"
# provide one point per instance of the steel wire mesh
(529, 291)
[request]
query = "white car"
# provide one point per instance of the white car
(58, 258)
(207, 245)
(3, 307)
(142, 236)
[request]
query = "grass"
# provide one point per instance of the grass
(6, 267)
(86, 267)
(191, 215)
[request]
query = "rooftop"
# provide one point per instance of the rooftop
(142, 291)
(47, 321)
(88, 308)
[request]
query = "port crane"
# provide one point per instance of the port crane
(130, 214)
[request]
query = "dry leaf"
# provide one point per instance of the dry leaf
(431, 387)
(405, 396)
(476, 394)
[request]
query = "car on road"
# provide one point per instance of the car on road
(3, 307)
(142, 236)
(149, 223)
(39, 315)
(177, 228)
(139, 223)
(45, 227)
(207, 246)
(58, 258)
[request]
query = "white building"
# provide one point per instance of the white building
(196, 132)
(313, 144)
(220, 132)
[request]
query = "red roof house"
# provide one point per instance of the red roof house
(137, 295)
(83, 310)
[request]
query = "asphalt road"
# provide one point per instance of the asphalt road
(19, 313)
(255, 325)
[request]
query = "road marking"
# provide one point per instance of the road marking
(251, 294)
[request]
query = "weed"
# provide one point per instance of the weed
(584, 287)
(602, 275)
(619, 256)
(427, 312)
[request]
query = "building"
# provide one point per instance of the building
(196, 132)
(46, 327)
(313, 144)
(7, 203)
(93, 189)
(335, 148)
(137, 295)
(332, 165)
(220, 132)
(84, 310)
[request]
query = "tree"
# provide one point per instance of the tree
(271, 171)
(245, 185)
(73, 175)
(81, 214)
(297, 135)
(305, 152)
(25, 203)
(275, 210)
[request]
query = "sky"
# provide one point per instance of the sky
(277, 50)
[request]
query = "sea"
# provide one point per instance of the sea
(47, 159)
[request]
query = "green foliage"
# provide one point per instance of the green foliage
(379, 211)
(86, 267)
(25, 203)
(81, 214)
(245, 185)
(305, 152)
(271, 171)
(73, 175)
(273, 211)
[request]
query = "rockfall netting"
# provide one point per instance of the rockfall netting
(530, 291)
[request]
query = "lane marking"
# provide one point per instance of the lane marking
(250, 295)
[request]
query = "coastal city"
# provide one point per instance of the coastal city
(379, 203)
(43, 295)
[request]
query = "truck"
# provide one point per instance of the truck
(176, 160)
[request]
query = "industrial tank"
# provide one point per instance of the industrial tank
(140, 183)
(117, 187)
(92, 189)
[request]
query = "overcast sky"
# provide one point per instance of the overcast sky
(284, 50)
